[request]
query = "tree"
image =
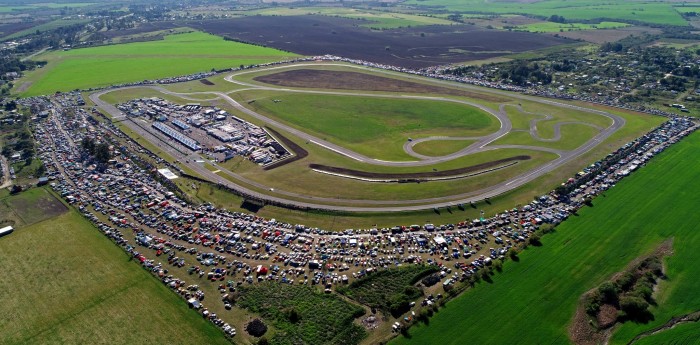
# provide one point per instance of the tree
(608, 292)
(102, 153)
(534, 240)
(11, 105)
(88, 145)
(557, 19)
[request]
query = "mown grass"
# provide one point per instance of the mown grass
(376, 127)
(572, 136)
(540, 292)
(437, 148)
(65, 283)
(122, 63)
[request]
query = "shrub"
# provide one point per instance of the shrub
(633, 306)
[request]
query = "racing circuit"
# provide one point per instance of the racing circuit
(480, 144)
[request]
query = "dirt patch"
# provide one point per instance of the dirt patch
(324, 79)
(299, 152)
(23, 87)
(415, 47)
(416, 177)
(607, 316)
(35, 207)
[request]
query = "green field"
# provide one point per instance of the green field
(63, 282)
(114, 64)
(540, 292)
(680, 335)
(631, 10)
(437, 148)
(376, 127)
(557, 27)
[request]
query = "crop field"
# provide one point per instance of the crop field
(680, 334)
(114, 64)
(45, 27)
(413, 47)
(540, 292)
(557, 27)
(294, 310)
(28, 7)
(634, 10)
(366, 18)
(61, 274)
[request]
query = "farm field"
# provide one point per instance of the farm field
(114, 64)
(557, 27)
(413, 47)
(55, 24)
(540, 292)
(681, 334)
(635, 10)
(61, 274)
(377, 20)
(20, 7)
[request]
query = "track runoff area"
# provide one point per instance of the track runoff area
(525, 126)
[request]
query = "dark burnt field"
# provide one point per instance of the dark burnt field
(340, 80)
(407, 47)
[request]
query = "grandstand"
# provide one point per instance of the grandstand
(182, 139)
(183, 126)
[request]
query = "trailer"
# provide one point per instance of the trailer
(6, 231)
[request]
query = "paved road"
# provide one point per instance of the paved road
(280, 196)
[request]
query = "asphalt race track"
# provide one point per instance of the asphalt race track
(348, 205)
